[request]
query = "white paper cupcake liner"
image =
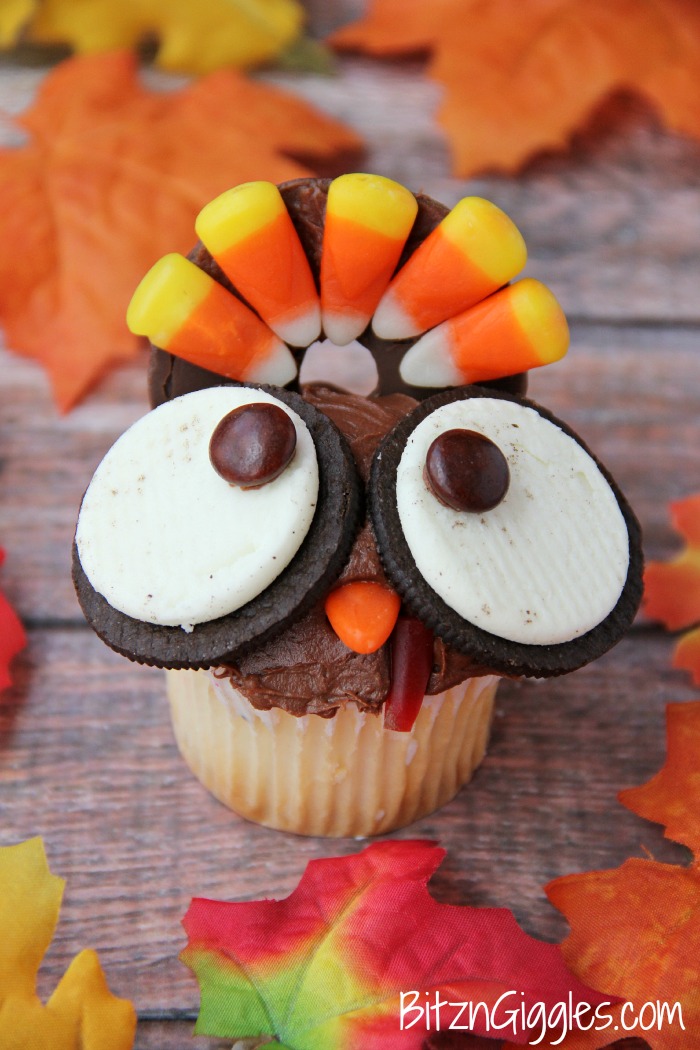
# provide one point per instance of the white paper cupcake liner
(341, 776)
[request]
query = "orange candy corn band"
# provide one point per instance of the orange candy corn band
(220, 338)
(184, 311)
(518, 328)
(250, 234)
(474, 251)
(368, 219)
(248, 230)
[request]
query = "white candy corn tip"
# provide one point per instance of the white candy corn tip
(300, 331)
(278, 367)
(429, 363)
(391, 321)
(342, 329)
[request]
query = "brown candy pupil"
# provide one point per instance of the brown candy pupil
(253, 444)
(466, 471)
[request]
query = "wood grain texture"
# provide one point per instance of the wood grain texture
(87, 757)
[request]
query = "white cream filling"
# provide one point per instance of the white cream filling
(165, 539)
(544, 566)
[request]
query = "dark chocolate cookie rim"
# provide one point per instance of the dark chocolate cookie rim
(508, 657)
(317, 563)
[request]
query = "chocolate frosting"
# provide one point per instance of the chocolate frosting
(307, 669)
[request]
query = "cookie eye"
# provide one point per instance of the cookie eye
(467, 471)
(253, 444)
(251, 549)
(543, 580)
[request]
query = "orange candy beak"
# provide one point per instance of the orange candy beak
(363, 614)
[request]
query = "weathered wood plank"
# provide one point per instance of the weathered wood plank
(88, 761)
(174, 1035)
(633, 394)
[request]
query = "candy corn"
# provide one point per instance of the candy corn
(250, 234)
(518, 328)
(183, 310)
(368, 219)
(363, 614)
(475, 250)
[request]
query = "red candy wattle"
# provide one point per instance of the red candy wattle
(411, 665)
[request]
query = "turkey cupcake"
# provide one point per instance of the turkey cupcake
(335, 583)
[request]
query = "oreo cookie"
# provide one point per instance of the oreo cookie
(507, 655)
(314, 567)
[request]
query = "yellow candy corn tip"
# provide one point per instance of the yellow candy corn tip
(375, 202)
(487, 236)
(166, 297)
(541, 318)
(236, 214)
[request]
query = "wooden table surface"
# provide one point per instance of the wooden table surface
(87, 758)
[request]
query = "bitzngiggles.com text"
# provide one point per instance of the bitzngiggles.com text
(511, 1016)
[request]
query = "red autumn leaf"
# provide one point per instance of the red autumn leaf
(112, 177)
(636, 929)
(522, 77)
(12, 636)
(672, 589)
(325, 967)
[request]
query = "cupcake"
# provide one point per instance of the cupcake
(335, 583)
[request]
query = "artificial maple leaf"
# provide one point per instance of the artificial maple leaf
(82, 1014)
(522, 77)
(672, 796)
(686, 655)
(672, 589)
(13, 16)
(12, 636)
(636, 929)
(325, 967)
(112, 178)
(192, 38)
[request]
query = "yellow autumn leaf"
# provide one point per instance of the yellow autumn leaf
(82, 1013)
(192, 37)
(14, 14)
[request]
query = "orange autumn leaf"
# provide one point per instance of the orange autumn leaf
(522, 77)
(671, 797)
(686, 655)
(672, 589)
(635, 930)
(113, 176)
